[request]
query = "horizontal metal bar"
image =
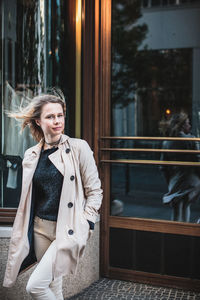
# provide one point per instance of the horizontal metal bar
(149, 138)
(151, 162)
(7, 209)
(164, 226)
(7, 219)
(149, 150)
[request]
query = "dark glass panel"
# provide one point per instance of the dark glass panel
(121, 248)
(195, 255)
(148, 251)
(177, 249)
(154, 252)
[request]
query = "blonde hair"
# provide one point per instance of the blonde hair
(31, 111)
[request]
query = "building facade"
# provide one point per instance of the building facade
(125, 67)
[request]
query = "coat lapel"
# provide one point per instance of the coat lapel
(57, 158)
(30, 163)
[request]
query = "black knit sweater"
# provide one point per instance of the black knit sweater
(47, 186)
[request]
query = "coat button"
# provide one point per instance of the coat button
(67, 150)
(70, 232)
(72, 178)
(70, 204)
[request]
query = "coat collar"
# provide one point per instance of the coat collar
(35, 151)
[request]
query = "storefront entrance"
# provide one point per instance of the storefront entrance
(130, 71)
(149, 78)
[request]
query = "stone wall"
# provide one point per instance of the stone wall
(88, 271)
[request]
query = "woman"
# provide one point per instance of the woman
(183, 181)
(59, 204)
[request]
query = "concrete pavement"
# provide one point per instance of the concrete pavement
(109, 289)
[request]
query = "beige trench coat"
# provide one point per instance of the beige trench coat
(81, 186)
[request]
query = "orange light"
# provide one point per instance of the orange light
(168, 111)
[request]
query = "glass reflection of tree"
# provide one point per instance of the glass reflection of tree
(164, 85)
(158, 79)
(30, 47)
(126, 38)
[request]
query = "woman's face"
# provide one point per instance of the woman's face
(186, 126)
(52, 121)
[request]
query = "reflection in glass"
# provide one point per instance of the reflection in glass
(155, 74)
(156, 3)
(34, 54)
(139, 191)
(183, 182)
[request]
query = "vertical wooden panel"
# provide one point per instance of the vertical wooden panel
(91, 110)
(105, 88)
(78, 69)
(87, 72)
(70, 25)
(97, 108)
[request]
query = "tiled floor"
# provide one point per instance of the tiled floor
(116, 289)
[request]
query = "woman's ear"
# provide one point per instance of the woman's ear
(37, 122)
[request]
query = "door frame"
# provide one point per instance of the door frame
(96, 97)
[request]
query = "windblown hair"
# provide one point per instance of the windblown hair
(174, 125)
(31, 111)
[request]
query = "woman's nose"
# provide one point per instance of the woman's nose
(56, 120)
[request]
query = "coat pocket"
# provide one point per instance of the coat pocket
(81, 228)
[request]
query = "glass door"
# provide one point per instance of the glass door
(150, 143)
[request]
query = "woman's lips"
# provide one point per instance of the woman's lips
(57, 128)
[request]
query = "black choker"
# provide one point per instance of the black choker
(53, 143)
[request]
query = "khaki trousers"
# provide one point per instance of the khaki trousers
(41, 285)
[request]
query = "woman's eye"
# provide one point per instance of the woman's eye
(53, 117)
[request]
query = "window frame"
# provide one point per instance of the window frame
(108, 221)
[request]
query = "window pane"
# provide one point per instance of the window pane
(35, 55)
(155, 93)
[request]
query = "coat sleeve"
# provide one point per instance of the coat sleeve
(91, 182)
